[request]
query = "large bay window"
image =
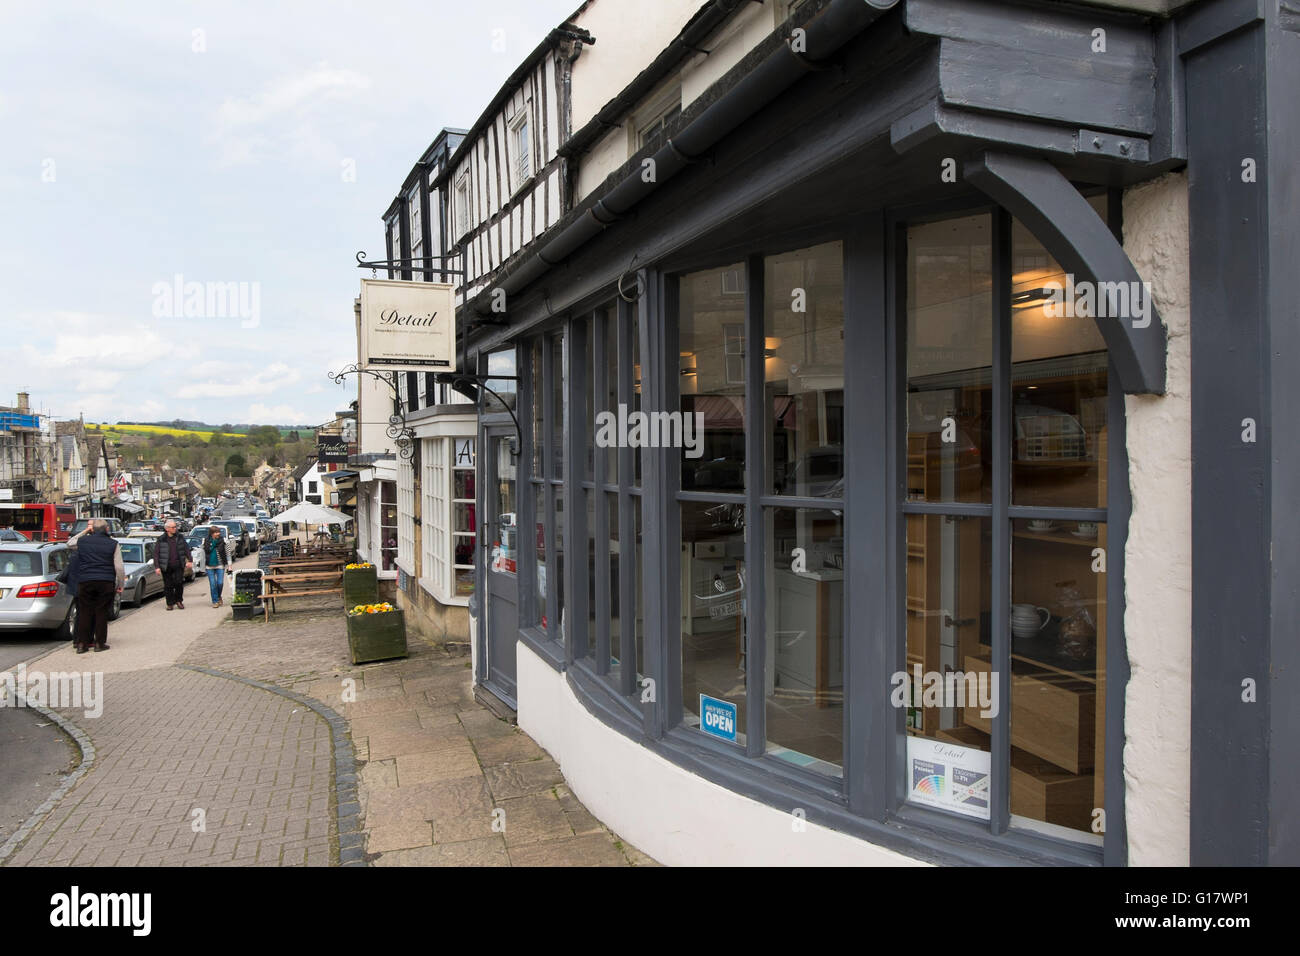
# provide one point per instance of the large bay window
(855, 554)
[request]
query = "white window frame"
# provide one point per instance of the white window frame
(650, 116)
(460, 205)
(406, 516)
(519, 145)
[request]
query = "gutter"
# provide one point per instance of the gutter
(826, 33)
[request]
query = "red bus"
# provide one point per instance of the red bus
(40, 522)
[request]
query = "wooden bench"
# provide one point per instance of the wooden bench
(279, 586)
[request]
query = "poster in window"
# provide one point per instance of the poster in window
(948, 776)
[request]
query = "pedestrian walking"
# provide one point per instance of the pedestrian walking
(171, 559)
(99, 575)
(218, 563)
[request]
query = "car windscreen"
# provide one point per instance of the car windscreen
(133, 553)
(19, 564)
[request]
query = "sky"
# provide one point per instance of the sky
(245, 150)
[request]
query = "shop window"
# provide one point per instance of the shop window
(794, 649)
(388, 525)
(1050, 517)
(464, 524)
(502, 363)
(712, 392)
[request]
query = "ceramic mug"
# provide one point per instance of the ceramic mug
(1040, 524)
(1028, 619)
(1086, 529)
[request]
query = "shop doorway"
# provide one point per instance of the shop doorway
(500, 629)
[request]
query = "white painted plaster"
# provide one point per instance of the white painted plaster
(1158, 556)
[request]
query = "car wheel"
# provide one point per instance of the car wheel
(116, 611)
(138, 600)
(65, 630)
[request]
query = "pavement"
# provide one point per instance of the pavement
(226, 743)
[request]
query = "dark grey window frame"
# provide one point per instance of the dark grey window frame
(867, 801)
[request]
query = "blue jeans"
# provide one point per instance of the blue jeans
(216, 580)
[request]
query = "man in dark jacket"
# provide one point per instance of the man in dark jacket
(171, 559)
(218, 563)
(100, 575)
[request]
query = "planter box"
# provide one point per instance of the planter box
(360, 586)
(242, 612)
(376, 637)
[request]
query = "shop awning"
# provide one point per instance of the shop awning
(128, 507)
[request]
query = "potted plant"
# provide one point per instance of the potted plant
(241, 606)
(376, 632)
(360, 584)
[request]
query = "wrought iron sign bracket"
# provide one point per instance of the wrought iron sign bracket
(466, 382)
(403, 435)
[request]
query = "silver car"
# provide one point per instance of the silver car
(32, 590)
(137, 561)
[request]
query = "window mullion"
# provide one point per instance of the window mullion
(755, 523)
(1000, 808)
(575, 515)
(551, 598)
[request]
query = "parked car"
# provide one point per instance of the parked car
(137, 561)
(33, 592)
(9, 534)
(115, 527)
(254, 531)
(198, 552)
(136, 526)
(236, 537)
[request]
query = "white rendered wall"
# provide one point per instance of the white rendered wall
(675, 816)
(1158, 557)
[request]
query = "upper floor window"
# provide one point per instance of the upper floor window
(650, 121)
(521, 146)
(461, 204)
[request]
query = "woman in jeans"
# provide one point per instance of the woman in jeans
(218, 563)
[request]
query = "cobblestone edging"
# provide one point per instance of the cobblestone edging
(87, 747)
(346, 801)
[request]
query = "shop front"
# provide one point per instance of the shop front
(850, 510)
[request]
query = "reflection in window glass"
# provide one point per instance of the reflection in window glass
(639, 633)
(950, 359)
(504, 557)
(803, 328)
(501, 363)
(611, 389)
(1058, 384)
(588, 411)
(636, 390)
(713, 607)
(558, 632)
(559, 377)
(805, 640)
(712, 383)
(948, 588)
(615, 618)
(1058, 687)
(539, 431)
(593, 555)
(539, 544)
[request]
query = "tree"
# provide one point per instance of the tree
(264, 435)
(211, 487)
(235, 465)
(292, 436)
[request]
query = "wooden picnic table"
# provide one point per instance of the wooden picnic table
(286, 584)
(333, 564)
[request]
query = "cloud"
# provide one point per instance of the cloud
(264, 382)
(276, 415)
(284, 116)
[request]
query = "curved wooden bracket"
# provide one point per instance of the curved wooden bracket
(1035, 192)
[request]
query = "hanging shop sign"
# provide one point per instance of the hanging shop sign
(331, 449)
(407, 326)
